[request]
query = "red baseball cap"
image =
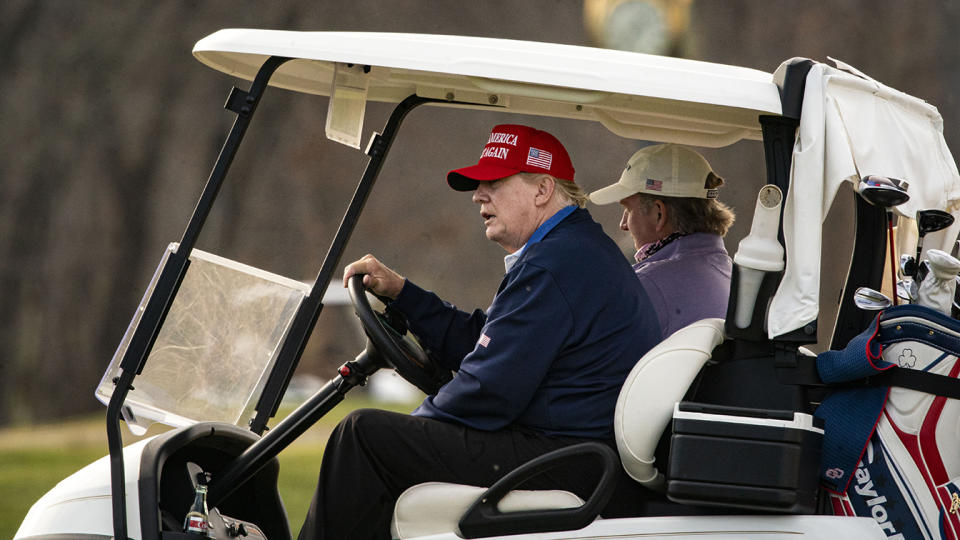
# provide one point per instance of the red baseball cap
(511, 149)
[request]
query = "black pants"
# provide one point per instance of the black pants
(373, 456)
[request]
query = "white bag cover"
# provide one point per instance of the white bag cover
(937, 289)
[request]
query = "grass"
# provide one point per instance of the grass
(34, 458)
(25, 475)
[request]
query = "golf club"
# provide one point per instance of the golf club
(929, 221)
(922, 270)
(885, 193)
(904, 291)
(908, 266)
(907, 284)
(870, 299)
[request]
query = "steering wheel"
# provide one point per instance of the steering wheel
(388, 334)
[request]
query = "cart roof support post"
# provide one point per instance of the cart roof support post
(171, 275)
(309, 310)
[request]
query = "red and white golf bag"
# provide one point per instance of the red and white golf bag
(892, 451)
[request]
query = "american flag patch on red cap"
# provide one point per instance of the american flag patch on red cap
(539, 158)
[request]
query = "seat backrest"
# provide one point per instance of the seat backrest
(658, 381)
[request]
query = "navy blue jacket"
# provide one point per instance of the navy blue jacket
(566, 326)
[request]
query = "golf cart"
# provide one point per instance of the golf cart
(214, 343)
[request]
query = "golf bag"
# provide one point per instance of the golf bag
(892, 443)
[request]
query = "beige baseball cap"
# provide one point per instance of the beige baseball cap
(665, 170)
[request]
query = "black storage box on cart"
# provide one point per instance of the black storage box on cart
(744, 458)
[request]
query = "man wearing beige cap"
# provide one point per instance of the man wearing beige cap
(670, 207)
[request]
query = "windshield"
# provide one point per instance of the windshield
(215, 349)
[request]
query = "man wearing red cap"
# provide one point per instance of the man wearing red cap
(539, 370)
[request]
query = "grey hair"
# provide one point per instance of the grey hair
(566, 190)
(691, 214)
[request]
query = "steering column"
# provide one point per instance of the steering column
(388, 345)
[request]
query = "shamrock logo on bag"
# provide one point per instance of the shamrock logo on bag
(907, 359)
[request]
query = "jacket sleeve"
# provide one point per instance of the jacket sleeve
(446, 331)
(525, 330)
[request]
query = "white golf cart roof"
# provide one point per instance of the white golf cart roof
(851, 126)
(634, 95)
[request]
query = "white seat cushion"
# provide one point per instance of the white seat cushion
(656, 383)
(436, 507)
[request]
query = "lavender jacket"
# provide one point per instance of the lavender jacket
(687, 280)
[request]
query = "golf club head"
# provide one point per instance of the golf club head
(882, 191)
(928, 221)
(933, 220)
(922, 270)
(908, 266)
(870, 299)
(904, 290)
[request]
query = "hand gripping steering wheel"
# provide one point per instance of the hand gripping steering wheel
(389, 337)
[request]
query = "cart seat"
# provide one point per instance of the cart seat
(644, 409)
